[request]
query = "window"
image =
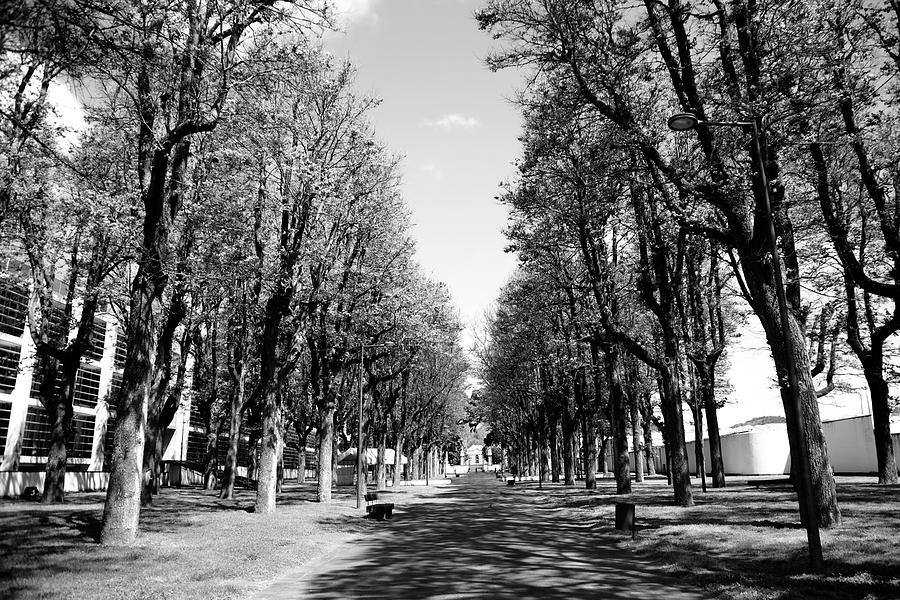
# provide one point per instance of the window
(291, 455)
(13, 308)
(5, 410)
(37, 378)
(196, 417)
(37, 432)
(9, 365)
(108, 439)
(83, 440)
(243, 453)
(222, 448)
(196, 448)
(121, 347)
(114, 387)
(98, 338)
(59, 328)
(87, 386)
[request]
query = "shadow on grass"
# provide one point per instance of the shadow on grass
(742, 538)
(40, 539)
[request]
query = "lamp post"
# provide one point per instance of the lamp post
(687, 122)
(360, 456)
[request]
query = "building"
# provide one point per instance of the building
(25, 428)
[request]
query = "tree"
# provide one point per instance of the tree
(629, 68)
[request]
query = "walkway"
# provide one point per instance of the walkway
(481, 539)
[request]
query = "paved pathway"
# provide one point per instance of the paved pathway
(481, 539)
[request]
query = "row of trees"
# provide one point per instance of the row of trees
(230, 205)
(629, 234)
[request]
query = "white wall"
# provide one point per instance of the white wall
(850, 443)
(13, 483)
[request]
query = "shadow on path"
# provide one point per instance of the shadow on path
(481, 539)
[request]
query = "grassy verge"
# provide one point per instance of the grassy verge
(743, 543)
(192, 545)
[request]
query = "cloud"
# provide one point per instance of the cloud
(452, 121)
(352, 11)
(433, 170)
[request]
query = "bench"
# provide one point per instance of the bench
(511, 482)
(378, 510)
(758, 483)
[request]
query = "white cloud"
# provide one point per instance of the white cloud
(433, 170)
(452, 121)
(352, 11)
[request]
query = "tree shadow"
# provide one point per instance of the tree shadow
(480, 539)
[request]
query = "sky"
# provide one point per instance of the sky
(452, 122)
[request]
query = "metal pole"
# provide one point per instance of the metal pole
(360, 477)
(803, 475)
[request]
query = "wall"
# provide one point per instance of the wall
(13, 483)
(851, 445)
(850, 442)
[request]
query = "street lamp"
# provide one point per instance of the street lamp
(686, 122)
(360, 465)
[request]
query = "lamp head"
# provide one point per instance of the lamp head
(683, 122)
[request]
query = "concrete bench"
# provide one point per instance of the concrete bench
(378, 510)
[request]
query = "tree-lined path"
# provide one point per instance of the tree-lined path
(481, 539)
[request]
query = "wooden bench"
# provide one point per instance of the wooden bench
(378, 510)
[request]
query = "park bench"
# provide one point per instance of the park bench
(378, 510)
(778, 482)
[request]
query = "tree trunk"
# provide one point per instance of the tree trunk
(619, 416)
(211, 457)
(270, 443)
(152, 456)
(324, 469)
(568, 431)
(398, 462)
(589, 449)
(234, 438)
(380, 466)
(301, 463)
(604, 449)
(715, 444)
(335, 452)
(60, 414)
(279, 472)
(823, 486)
(698, 443)
(647, 425)
(636, 440)
(554, 447)
(122, 509)
(674, 426)
(706, 379)
(881, 419)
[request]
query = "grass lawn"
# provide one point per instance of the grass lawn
(743, 543)
(191, 545)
